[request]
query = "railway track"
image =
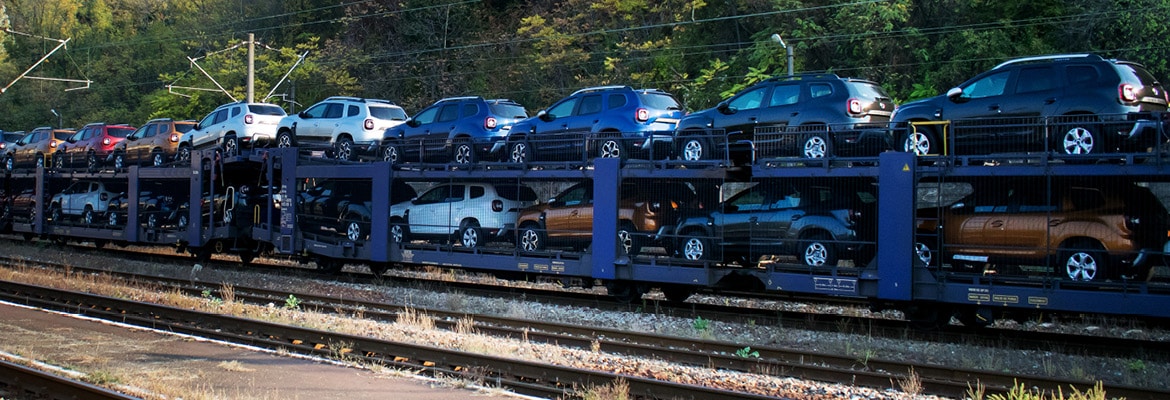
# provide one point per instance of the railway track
(787, 362)
(21, 382)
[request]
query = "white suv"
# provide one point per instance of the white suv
(233, 125)
(473, 212)
(88, 199)
(348, 125)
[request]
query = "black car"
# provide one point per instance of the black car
(809, 116)
(605, 122)
(340, 208)
(159, 207)
(817, 223)
(461, 130)
(1065, 104)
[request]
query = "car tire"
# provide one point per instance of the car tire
(40, 162)
(353, 230)
(924, 251)
(816, 146)
(921, 142)
(694, 148)
(285, 139)
(343, 149)
(612, 147)
(119, 161)
(392, 154)
(531, 239)
(1082, 261)
(1078, 138)
(629, 239)
(470, 235)
(184, 153)
(152, 220)
(55, 214)
(157, 158)
(112, 217)
(695, 247)
(520, 152)
(183, 220)
(817, 250)
(231, 146)
(9, 163)
(87, 216)
(399, 231)
(91, 162)
(59, 160)
(463, 153)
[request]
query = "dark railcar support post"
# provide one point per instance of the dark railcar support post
(288, 189)
(606, 181)
(379, 242)
(42, 200)
(195, 209)
(132, 193)
(895, 228)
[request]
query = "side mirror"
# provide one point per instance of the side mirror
(198, 126)
(411, 122)
(303, 115)
(725, 107)
(955, 93)
(545, 116)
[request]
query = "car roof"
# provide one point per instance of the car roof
(1050, 58)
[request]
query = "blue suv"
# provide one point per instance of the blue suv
(460, 130)
(607, 121)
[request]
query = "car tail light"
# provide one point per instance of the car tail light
(1127, 93)
(106, 141)
(174, 137)
(247, 118)
(3, 146)
(854, 106)
(642, 115)
(489, 123)
(497, 205)
(369, 124)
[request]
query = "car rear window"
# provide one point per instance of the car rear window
(12, 137)
(265, 109)
(658, 101)
(391, 113)
(508, 110)
(870, 91)
(516, 192)
(1133, 73)
(184, 128)
(119, 132)
(62, 135)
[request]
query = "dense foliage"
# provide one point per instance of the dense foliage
(417, 51)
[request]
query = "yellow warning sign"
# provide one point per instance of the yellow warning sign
(905, 167)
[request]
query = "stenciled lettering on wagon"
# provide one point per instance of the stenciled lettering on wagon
(558, 267)
(540, 267)
(287, 213)
(1005, 299)
(1037, 301)
(407, 256)
(835, 285)
(522, 266)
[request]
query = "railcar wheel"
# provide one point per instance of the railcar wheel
(626, 292)
(818, 251)
(246, 256)
(677, 293)
(329, 265)
(378, 268)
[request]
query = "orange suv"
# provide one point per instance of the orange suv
(1084, 230)
(156, 143)
(34, 147)
(645, 213)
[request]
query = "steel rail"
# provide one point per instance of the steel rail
(21, 382)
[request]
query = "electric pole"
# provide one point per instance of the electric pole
(251, 68)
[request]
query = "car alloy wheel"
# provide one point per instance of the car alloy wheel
(815, 146)
(918, 143)
(693, 149)
(519, 153)
(158, 159)
(463, 154)
(1078, 141)
(694, 248)
(530, 240)
(353, 231)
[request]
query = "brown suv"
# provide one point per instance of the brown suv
(154, 143)
(32, 148)
(1085, 230)
(646, 211)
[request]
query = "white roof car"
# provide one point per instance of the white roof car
(347, 125)
(233, 126)
(472, 212)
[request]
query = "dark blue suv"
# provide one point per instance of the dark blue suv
(461, 130)
(607, 121)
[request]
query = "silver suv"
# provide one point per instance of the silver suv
(348, 125)
(87, 199)
(233, 125)
(470, 212)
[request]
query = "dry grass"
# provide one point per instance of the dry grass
(618, 390)
(234, 366)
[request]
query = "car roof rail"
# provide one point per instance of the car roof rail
(459, 98)
(600, 88)
(809, 76)
(1050, 57)
(497, 101)
(359, 99)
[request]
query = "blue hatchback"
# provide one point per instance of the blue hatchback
(608, 122)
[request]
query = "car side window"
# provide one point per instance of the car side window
(784, 95)
(449, 113)
(333, 110)
(988, 86)
(470, 109)
(749, 100)
(564, 108)
(317, 111)
(162, 128)
(151, 130)
(476, 192)
(751, 200)
(1081, 74)
(427, 116)
(353, 111)
(575, 197)
(617, 100)
(78, 136)
(235, 111)
(1036, 79)
(221, 116)
(816, 90)
(590, 104)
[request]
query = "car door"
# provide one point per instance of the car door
(982, 98)
(552, 129)
(210, 128)
(416, 131)
(430, 213)
(1036, 93)
(741, 113)
(740, 216)
(1025, 227)
(770, 226)
(570, 216)
(319, 120)
(437, 142)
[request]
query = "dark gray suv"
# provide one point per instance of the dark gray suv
(461, 130)
(1068, 104)
(809, 116)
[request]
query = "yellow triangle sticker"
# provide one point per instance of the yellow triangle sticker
(905, 167)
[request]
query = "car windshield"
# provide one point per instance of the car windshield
(658, 101)
(391, 113)
(120, 132)
(266, 109)
(62, 135)
(184, 127)
(507, 110)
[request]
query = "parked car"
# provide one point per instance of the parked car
(233, 126)
(817, 223)
(471, 212)
(91, 145)
(154, 143)
(1085, 229)
(348, 125)
(1068, 104)
(646, 215)
(461, 130)
(607, 121)
(32, 149)
(8, 141)
(159, 207)
(342, 208)
(89, 200)
(808, 116)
